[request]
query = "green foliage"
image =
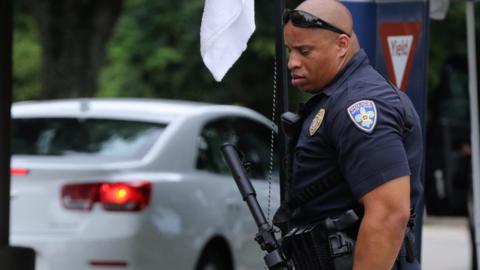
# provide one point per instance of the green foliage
(26, 56)
(155, 52)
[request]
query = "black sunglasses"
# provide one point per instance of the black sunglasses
(304, 19)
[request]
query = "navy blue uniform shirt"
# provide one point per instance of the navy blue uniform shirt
(356, 126)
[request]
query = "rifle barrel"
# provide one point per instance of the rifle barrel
(230, 153)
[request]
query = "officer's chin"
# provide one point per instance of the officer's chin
(306, 86)
(309, 90)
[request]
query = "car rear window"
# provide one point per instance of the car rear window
(83, 137)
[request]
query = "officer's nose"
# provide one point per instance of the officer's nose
(293, 63)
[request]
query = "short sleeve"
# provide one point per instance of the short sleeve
(367, 135)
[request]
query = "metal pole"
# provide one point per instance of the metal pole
(282, 93)
(11, 258)
(5, 101)
(472, 83)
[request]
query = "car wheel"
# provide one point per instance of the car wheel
(212, 259)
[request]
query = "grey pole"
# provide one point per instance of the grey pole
(472, 87)
(282, 93)
(5, 100)
(11, 258)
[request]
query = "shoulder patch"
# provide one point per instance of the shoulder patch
(363, 114)
(316, 122)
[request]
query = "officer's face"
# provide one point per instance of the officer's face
(313, 60)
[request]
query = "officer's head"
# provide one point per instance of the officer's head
(320, 40)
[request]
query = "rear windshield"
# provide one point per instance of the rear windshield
(107, 138)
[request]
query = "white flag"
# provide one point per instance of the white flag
(227, 25)
(439, 9)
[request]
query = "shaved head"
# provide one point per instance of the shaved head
(318, 54)
(331, 11)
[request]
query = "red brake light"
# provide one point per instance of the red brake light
(133, 196)
(125, 196)
(80, 196)
(19, 171)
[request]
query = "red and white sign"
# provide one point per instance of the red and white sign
(399, 41)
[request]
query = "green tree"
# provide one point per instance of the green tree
(59, 46)
(26, 56)
(155, 52)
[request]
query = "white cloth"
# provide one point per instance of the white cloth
(227, 25)
(439, 9)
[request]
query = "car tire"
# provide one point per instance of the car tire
(213, 259)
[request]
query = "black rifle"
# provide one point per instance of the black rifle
(274, 259)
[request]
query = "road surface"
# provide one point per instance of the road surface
(446, 244)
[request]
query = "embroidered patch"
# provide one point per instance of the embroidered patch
(364, 114)
(317, 121)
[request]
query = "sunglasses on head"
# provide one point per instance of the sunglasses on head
(304, 19)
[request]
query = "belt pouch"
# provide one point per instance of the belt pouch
(290, 249)
(321, 246)
(309, 251)
(293, 248)
(311, 243)
(301, 250)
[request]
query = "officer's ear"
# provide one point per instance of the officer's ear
(343, 44)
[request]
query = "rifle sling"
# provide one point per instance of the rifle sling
(305, 195)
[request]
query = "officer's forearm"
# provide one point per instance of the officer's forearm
(379, 241)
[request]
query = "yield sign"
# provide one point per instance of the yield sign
(399, 42)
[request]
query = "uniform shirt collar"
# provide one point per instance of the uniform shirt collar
(358, 58)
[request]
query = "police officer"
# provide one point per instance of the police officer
(358, 125)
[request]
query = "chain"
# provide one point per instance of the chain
(272, 138)
(272, 142)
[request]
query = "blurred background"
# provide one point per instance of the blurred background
(150, 49)
(133, 48)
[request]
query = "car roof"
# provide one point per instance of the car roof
(158, 110)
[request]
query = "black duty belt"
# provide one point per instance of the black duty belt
(323, 245)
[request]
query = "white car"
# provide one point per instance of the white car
(136, 184)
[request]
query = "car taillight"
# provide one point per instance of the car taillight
(19, 171)
(80, 196)
(132, 196)
(125, 196)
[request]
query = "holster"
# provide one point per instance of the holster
(323, 245)
(341, 237)
(330, 244)
(407, 251)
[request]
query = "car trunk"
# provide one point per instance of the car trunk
(35, 194)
